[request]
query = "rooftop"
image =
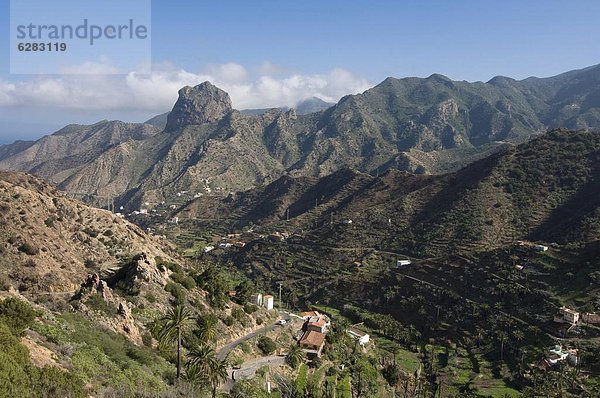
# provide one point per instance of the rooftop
(309, 314)
(312, 338)
(356, 331)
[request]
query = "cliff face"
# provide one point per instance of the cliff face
(198, 105)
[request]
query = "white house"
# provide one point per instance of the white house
(401, 263)
(540, 248)
(559, 354)
(257, 299)
(208, 249)
(567, 315)
(267, 302)
(362, 337)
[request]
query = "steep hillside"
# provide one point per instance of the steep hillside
(51, 243)
(544, 190)
(83, 292)
(429, 126)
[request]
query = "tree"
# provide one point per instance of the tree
(295, 356)
(171, 328)
(364, 377)
(203, 360)
(207, 328)
(243, 291)
(213, 281)
(217, 375)
(266, 345)
(502, 337)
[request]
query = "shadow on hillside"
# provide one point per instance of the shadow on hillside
(567, 222)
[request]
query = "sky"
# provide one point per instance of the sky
(277, 53)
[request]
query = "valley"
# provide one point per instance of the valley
(426, 238)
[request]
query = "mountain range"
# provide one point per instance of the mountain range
(422, 125)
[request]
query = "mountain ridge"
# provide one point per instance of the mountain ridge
(398, 123)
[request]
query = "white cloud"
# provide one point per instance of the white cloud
(157, 92)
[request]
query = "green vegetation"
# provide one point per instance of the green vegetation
(266, 345)
(18, 376)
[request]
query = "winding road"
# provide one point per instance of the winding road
(248, 369)
(226, 349)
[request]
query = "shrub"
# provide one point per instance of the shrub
(150, 297)
(176, 291)
(91, 232)
(97, 303)
(250, 308)
(229, 320)
(186, 281)
(17, 315)
(147, 339)
(29, 249)
(266, 345)
(89, 263)
(238, 314)
(53, 382)
(50, 221)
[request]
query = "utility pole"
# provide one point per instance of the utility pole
(280, 303)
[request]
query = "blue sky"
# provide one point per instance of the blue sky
(269, 53)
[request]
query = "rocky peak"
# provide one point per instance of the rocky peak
(197, 105)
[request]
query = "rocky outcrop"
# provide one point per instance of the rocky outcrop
(94, 285)
(122, 322)
(198, 105)
(142, 268)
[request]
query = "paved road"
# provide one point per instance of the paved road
(249, 369)
(226, 349)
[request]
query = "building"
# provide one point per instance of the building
(559, 354)
(256, 299)
(315, 321)
(312, 343)
(401, 263)
(357, 334)
(567, 315)
(267, 302)
(591, 318)
(540, 248)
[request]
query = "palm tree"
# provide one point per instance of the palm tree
(204, 359)
(201, 357)
(172, 326)
(218, 374)
(207, 329)
(294, 356)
